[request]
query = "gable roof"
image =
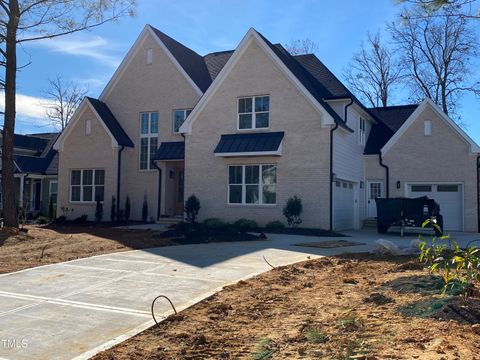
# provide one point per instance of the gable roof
(193, 64)
(389, 120)
(474, 148)
(111, 122)
(46, 163)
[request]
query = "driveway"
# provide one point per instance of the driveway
(78, 308)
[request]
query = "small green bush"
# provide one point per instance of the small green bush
(113, 209)
(99, 211)
(145, 208)
(127, 208)
(42, 220)
(51, 209)
(244, 225)
(275, 225)
(292, 211)
(214, 224)
(192, 207)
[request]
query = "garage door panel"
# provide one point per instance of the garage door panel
(343, 205)
(450, 199)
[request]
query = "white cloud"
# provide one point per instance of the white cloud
(29, 109)
(94, 47)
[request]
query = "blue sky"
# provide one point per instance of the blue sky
(90, 58)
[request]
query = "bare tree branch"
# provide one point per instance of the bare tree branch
(302, 46)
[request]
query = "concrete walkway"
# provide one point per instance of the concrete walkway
(78, 308)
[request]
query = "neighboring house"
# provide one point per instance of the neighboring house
(36, 168)
(244, 130)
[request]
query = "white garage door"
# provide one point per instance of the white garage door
(450, 199)
(343, 205)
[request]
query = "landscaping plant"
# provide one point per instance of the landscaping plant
(192, 207)
(244, 225)
(145, 208)
(113, 209)
(99, 210)
(127, 208)
(51, 209)
(456, 265)
(292, 211)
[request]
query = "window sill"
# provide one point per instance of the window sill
(266, 206)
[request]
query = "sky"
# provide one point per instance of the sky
(90, 58)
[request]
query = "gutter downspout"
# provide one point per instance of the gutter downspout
(159, 204)
(331, 162)
(119, 173)
(387, 175)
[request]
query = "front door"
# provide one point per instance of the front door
(179, 190)
(374, 190)
(37, 194)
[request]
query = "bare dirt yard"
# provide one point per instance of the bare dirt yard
(48, 245)
(350, 307)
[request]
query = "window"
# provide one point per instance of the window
(252, 184)
(148, 138)
(254, 112)
(149, 56)
(421, 188)
(361, 131)
(447, 188)
(88, 127)
(86, 185)
(427, 127)
(53, 190)
(179, 117)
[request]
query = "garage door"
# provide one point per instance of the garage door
(343, 205)
(450, 199)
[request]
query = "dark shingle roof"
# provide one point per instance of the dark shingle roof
(256, 142)
(193, 64)
(216, 61)
(390, 119)
(111, 122)
(30, 142)
(174, 150)
(47, 163)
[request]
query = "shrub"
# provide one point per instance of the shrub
(214, 224)
(61, 219)
(81, 219)
(145, 208)
(292, 211)
(113, 209)
(51, 209)
(120, 214)
(127, 208)
(275, 225)
(192, 207)
(41, 220)
(99, 210)
(244, 225)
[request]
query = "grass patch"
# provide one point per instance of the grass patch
(425, 308)
(264, 350)
(315, 336)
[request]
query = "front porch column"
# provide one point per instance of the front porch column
(20, 196)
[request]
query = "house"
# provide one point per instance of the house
(244, 130)
(36, 166)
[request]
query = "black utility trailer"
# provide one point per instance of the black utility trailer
(406, 212)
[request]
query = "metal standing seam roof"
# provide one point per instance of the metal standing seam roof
(173, 150)
(249, 143)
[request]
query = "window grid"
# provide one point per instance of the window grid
(252, 184)
(86, 185)
(148, 138)
(179, 117)
(253, 112)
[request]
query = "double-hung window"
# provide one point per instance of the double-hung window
(361, 131)
(252, 184)
(53, 191)
(148, 138)
(87, 185)
(179, 117)
(253, 112)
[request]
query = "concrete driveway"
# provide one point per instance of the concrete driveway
(78, 308)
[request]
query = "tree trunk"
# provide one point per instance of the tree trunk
(8, 170)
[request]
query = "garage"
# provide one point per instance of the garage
(343, 205)
(448, 196)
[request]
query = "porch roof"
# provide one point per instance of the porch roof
(257, 144)
(173, 150)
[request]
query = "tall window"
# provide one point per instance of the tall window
(427, 127)
(254, 112)
(87, 185)
(148, 138)
(361, 131)
(179, 117)
(252, 184)
(53, 192)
